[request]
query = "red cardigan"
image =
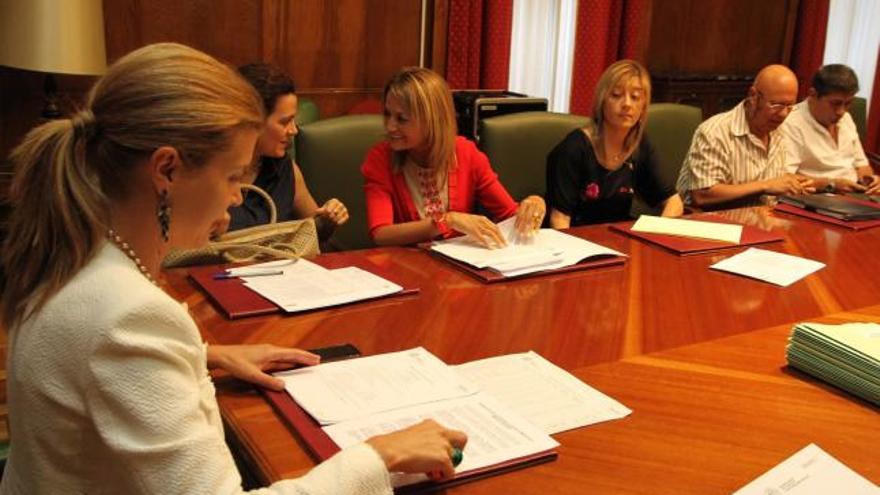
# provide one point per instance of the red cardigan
(472, 179)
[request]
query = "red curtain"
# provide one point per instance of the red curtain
(607, 31)
(478, 50)
(808, 47)
(872, 141)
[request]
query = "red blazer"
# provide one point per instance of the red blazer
(472, 179)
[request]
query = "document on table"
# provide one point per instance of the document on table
(546, 395)
(344, 390)
(495, 433)
(689, 228)
(546, 250)
(811, 470)
(769, 266)
(303, 285)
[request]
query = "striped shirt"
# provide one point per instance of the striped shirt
(724, 151)
(812, 151)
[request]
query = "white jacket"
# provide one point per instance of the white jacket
(109, 392)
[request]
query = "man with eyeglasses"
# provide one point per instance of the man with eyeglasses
(737, 158)
(822, 140)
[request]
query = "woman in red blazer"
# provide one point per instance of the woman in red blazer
(423, 181)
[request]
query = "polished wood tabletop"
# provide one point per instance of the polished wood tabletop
(601, 323)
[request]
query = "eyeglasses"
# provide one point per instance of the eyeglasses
(776, 107)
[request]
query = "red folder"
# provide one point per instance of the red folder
(322, 446)
(852, 224)
(491, 276)
(235, 300)
(689, 245)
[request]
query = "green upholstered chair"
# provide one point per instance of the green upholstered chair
(859, 111)
(330, 153)
(518, 144)
(670, 128)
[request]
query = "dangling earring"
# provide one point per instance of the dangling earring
(163, 214)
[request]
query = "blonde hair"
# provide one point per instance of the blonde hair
(618, 73)
(426, 96)
(67, 170)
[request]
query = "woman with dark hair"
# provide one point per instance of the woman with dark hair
(594, 172)
(108, 384)
(273, 170)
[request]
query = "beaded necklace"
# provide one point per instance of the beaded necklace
(127, 249)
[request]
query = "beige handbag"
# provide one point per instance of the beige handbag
(284, 240)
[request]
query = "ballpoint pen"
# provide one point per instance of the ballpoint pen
(226, 275)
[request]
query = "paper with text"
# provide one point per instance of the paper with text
(769, 266)
(547, 249)
(495, 433)
(689, 228)
(808, 472)
(345, 390)
(541, 392)
(305, 285)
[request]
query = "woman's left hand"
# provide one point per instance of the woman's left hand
(334, 211)
(250, 362)
(530, 215)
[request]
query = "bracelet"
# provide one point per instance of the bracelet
(442, 226)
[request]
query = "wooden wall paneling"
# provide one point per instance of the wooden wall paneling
(721, 36)
(438, 29)
(340, 53)
(227, 29)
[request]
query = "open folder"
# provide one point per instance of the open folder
(696, 234)
(301, 285)
(494, 401)
(548, 250)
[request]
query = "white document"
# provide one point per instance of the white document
(495, 434)
(548, 249)
(541, 392)
(810, 471)
(689, 228)
(305, 285)
(769, 266)
(344, 390)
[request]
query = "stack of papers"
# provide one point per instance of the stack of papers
(548, 249)
(507, 405)
(808, 472)
(303, 285)
(713, 231)
(846, 356)
(769, 266)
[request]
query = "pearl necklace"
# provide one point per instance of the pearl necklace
(126, 248)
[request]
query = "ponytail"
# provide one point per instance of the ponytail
(58, 216)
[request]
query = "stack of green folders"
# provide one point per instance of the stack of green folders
(846, 356)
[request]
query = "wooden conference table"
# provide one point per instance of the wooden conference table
(696, 353)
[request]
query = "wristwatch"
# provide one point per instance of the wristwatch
(829, 187)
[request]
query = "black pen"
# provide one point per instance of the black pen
(226, 275)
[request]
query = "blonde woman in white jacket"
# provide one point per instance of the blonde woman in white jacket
(108, 383)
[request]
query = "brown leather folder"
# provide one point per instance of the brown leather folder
(688, 245)
(491, 276)
(322, 446)
(235, 300)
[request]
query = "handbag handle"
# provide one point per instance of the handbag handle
(273, 211)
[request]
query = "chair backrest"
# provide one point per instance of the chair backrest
(330, 153)
(670, 128)
(518, 144)
(859, 113)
